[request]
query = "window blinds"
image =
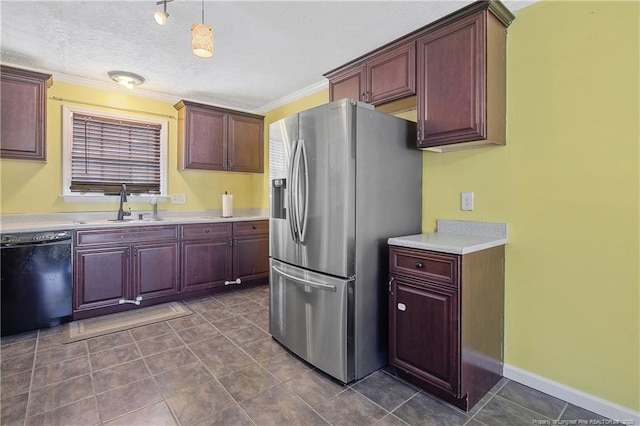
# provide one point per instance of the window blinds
(108, 152)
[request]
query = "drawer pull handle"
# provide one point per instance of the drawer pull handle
(419, 265)
(253, 227)
(206, 231)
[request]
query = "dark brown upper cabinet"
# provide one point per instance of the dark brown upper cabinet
(461, 81)
(382, 77)
(452, 71)
(212, 138)
(24, 113)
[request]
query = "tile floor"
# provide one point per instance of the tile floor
(220, 366)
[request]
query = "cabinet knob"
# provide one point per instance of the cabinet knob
(253, 227)
(206, 231)
(419, 265)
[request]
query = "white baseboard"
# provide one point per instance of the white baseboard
(581, 399)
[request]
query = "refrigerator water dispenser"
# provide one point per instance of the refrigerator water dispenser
(278, 194)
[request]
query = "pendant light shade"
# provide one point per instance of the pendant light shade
(202, 40)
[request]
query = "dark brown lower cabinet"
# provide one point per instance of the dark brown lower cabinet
(446, 321)
(206, 255)
(218, 255)
(251, 251)
(116, 266)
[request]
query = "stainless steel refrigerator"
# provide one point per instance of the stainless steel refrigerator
(343, 179)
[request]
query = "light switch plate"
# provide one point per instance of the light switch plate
(466, 201)
(178, 199)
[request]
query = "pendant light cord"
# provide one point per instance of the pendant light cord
(203, 11)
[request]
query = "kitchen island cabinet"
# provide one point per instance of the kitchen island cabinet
(212, 138)
(115, 267)
(446, 321)
(23, 107)
(219, 255)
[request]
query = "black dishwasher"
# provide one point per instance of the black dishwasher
(36, 281)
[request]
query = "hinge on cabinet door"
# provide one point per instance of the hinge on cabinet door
(502, 265)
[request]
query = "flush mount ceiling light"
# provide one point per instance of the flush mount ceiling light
(127, 79)
(202, 38)
(161, 17)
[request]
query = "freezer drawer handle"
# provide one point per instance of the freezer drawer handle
(305, 282)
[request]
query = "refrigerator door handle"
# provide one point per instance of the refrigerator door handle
(305, 194)
(291, 202)
(320, 286)
(296, 190)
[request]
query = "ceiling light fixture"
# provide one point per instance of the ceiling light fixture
(161, 17)
(202, 38)
(127, 79)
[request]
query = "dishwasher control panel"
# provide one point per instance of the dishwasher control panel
(34, 237)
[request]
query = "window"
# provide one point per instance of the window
(104, 151)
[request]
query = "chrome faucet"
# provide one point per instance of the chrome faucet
(123, 199)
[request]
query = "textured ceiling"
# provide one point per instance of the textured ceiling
(263, 51)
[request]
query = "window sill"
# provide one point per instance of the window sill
(100, 198)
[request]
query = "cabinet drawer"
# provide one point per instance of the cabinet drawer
(427, 265)
(206, 231)
(256, 227)
(126, 235)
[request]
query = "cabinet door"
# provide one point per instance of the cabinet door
(251, 257)
(206, 264)
(451, 83)
(155, 270)
(205, 139)
(246, 141)
(392, 75)
(350, 83)
(23, 109)
(101, 277)
(424, 332)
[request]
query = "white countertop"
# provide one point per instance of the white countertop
(456, 237)
(447, 243)
(74, 221)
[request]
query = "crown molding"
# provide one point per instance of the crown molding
(299, 94)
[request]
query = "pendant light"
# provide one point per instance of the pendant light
(202, 38)
(161, 17)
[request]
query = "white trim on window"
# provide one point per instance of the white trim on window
(67, 142)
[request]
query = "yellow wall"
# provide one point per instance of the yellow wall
(567, 185)
(32, 187)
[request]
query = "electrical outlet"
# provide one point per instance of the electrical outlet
(466, 201)
(178, 199)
